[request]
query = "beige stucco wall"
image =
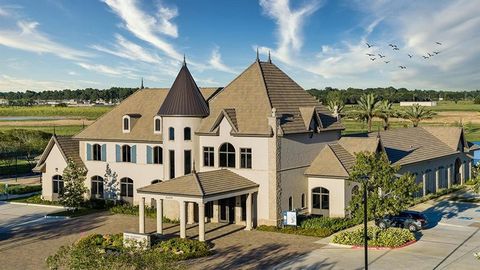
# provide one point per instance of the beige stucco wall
(55, 164)
(337, 199)
(260, 157)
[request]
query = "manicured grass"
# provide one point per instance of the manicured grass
(35, 199)
(74, 112)
(59, 130)
(15, 189)
(77, 213)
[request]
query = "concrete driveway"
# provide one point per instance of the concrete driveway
(449, 244)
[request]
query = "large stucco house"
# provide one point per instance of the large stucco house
(243, 153)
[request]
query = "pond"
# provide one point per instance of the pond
(476, 154)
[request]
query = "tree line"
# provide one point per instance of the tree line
(395, 95)
(89, 94)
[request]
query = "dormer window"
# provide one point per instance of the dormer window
(157, 125)
(126, 124)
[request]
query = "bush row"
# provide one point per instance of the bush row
(128, 209)
(316, 232)
(391, 237)
(14, 189)
(107, 252)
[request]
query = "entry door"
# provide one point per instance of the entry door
(227, 210)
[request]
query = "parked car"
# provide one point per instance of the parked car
(411, 220)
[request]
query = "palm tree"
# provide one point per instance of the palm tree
(385, 111)
(417, 113)
(335, 106)
(367, 109)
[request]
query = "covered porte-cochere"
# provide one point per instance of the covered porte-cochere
(207, 192)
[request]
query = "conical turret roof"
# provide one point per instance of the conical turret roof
(184, 98)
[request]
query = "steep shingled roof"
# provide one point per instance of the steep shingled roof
(253, 94)
(201, 184)
(184, 97)
(145, 103)
(69, 147)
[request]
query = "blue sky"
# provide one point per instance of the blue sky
(57, 44)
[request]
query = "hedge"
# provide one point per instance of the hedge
(316, 232)
(391, 237)
(98, 251)
(15, 189)
(128, 209)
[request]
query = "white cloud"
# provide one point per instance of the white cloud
(147, 27)
(216, 62)
(12, 83)
(289, 26)
(129, 50)
(72, 73)
(102, 69)
(27, 37)
(3, 12)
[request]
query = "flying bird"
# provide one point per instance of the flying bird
(425, 57)
(409, 55)
(402, 67)
(368, 45)
(386, 62)
(381, 56)
(392, 45)
(373, 59)
(438, 43)
(396, 49)
(436, 52)
(370, 54)
(430, 55)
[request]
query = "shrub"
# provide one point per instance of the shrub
(391, 237)
(20, 189)
(335, 224)
(35, 199)
(128, 209)
(316, 232)
(107, 252)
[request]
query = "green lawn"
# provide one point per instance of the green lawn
(466, 106)
(74, 112)
(59, 130)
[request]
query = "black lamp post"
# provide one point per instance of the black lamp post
(365, 220)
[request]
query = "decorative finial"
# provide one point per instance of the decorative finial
(184, 61)
(269, 57)
(274, 112)
(258, 58)
(141, 86)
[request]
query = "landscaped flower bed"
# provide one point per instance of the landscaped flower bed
(107, 252)
(388, 238)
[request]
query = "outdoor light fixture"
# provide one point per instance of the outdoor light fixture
(365, 219)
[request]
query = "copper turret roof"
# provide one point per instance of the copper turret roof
(184, 97)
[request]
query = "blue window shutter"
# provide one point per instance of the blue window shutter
(89, 151)
(149, 155)
(134, 154)
(104, 152)
(118, 153)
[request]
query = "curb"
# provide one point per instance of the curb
(373, 248)
(57, 217)
(39, 205)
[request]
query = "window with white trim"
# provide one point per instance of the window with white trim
(246, 158)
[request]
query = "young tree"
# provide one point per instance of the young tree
(74, 189)
(111, 185)
(387, 192)
(385, 111)
(417, 113)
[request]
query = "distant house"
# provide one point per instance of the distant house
(421, 103)
(241, 154)
(3, 101)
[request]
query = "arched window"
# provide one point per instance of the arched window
(157, 155)
(187, 134)
(171, 133)
(320, 198)
(355, 190)
(126, 187)
(156, 181)
(227, 155)
(303, 200)
(57, 184)
(97, 186)
(158, 125)
(97, 152)
(126, 153)
(126, 123)
(290, 203)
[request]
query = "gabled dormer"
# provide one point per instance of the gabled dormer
(157, 124)
(128, 122)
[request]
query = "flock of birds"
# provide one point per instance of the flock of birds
(394, 47)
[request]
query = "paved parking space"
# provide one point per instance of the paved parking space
(14, 216)
(448, 244)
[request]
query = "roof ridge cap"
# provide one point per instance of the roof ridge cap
(262, 76)
(197, 180)
(338, 159)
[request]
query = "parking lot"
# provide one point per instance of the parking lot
(448, 244)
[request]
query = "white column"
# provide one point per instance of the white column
(238, 210)
(470, 166)
(215, 212)
(248, 226)
(424, 179)
(191, 213)
(437, 180)
(160, 216)
(141, 215)
(182, 219)
(462, 173)
(449, 183)
(201, 222)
